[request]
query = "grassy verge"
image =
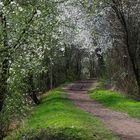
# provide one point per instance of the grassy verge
(58, 119)
(117, 102)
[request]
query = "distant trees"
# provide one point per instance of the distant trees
(123, 30)
(127, 14)
(115, 29)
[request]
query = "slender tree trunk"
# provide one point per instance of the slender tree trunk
(3, 82)
(66, 62)
(51, 75)
(78, 67)
(91, 67)
(5, 63)
(32, 92)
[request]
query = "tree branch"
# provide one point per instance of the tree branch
(24, 31)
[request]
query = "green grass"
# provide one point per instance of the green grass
(117, 102)
(58, 119)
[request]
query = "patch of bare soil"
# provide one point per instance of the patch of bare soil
(121, 124)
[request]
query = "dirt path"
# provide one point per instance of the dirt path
(122, 125)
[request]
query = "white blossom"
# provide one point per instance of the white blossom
(20, 9)
(38, 12)
(1, 4)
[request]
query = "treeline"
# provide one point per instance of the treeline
(116, 38)
(35, 56)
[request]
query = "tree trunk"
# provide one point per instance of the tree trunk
(5, 63)
(51, 75)
(31, 89)
(3, 82)
(34, 98)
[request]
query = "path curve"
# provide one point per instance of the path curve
(121, 124)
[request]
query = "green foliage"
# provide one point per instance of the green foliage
(57, 118)
(117, 101)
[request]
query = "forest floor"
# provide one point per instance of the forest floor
(121, 124)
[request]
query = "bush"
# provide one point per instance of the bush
(53, 134)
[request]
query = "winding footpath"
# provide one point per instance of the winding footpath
(121, 124)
